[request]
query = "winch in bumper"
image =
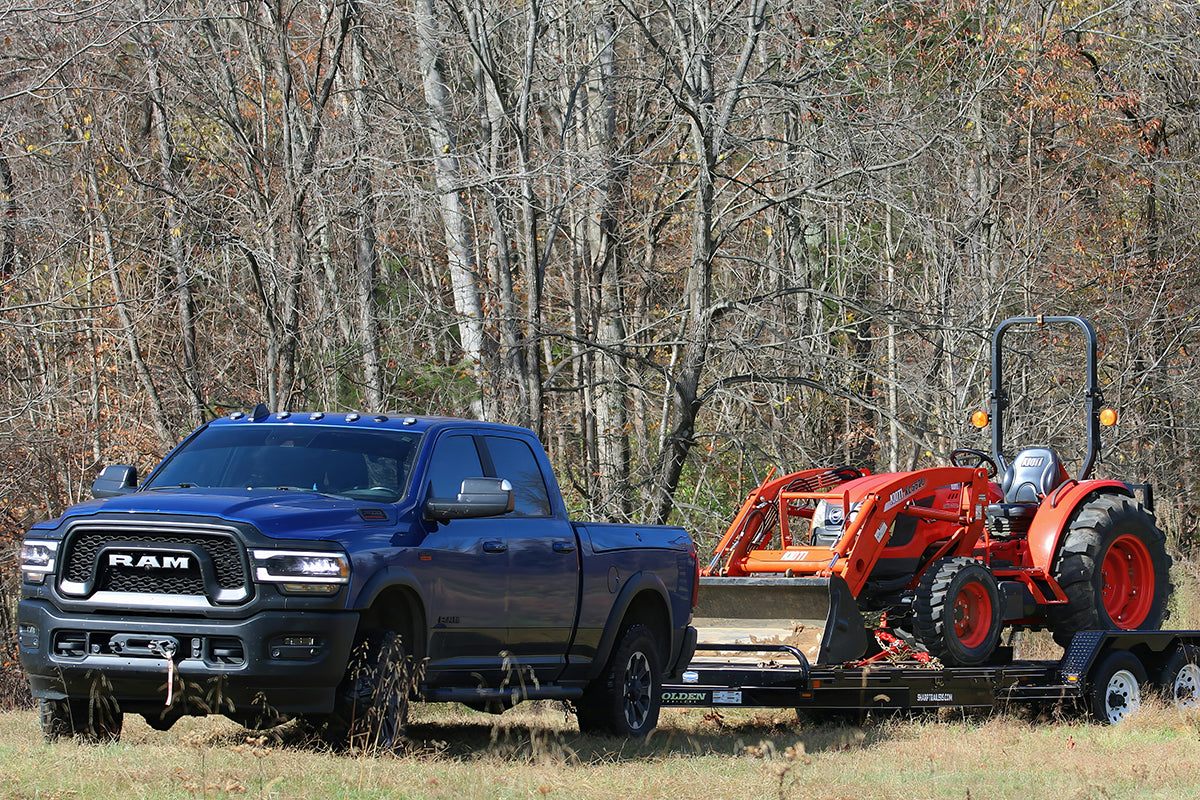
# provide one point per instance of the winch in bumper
(288, 662)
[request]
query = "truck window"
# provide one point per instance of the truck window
(365, 465)
(515, 462)
(454, 460)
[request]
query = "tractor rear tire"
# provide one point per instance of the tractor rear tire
(956, 612)
(1114, 568)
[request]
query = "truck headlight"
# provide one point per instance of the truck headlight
(301, 571)
(37, 559)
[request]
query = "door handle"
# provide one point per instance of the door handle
(563, 547)
(495, 547)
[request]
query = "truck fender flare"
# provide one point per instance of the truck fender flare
(391, 578)
(635, 585)
(1055, 512)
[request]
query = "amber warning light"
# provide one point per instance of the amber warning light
(1108, 417)
(980, 419)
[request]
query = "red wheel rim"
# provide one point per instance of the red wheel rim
(1128, 575)
(972, 615)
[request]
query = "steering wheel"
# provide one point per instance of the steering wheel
(978, 459)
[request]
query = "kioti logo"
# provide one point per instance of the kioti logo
(148, 561)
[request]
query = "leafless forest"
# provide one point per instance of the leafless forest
(684, 241)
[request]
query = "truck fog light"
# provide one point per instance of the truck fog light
(310, 588)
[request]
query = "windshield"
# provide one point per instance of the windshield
(366, 465)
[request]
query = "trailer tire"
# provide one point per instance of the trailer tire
(99, 721)
(1114, 568)
(370, 710)
(626, 698)
(1180, 678)
(956, 613)
(1116, 692)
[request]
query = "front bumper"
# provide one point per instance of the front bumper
(286, 662)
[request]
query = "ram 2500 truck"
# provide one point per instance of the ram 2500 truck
(331, 566)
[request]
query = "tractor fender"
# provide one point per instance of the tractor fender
(1048, 525)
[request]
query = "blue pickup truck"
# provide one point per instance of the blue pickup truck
(331, 567)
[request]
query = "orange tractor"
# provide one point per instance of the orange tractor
(943, 559)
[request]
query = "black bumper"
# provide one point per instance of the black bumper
(286, 661)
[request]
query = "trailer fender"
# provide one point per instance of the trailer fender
(1055, 512)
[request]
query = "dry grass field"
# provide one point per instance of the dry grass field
(535, 751)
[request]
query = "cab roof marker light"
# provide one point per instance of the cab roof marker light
(410, 421)
(352, 418)
(316, 416)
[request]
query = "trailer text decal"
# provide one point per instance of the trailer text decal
(935, 697)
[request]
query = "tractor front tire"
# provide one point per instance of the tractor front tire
(1114, 569)
(956, 612)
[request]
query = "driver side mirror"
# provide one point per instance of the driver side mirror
(478, 497)
(116, 479)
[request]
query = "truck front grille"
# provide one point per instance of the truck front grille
(215, 566)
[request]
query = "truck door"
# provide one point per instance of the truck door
(543, 561)
(466, 561)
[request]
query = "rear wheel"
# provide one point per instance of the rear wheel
(1180, 680)
(95, 721)
(625, 699)
(956, 612)
(1116, 687)
(1114, 570)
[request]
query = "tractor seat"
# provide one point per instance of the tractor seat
(1032, 475)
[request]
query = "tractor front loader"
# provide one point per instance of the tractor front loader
(844, 563)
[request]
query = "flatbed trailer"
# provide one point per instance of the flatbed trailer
(1105, 673)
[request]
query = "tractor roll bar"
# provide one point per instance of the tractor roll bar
(1093, 399)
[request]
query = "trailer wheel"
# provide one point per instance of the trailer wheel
(956, 612)
(370, 709)
(97, 721)
(1113, 568)
(1180, 680)
(1116, 687)
(625, 699)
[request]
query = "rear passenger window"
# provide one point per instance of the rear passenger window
(516, 463)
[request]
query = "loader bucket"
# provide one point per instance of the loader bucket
(817, 615)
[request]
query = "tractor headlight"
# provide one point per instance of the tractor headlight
(37, 559)
(302, 572)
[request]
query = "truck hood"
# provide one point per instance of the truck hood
(277, 514)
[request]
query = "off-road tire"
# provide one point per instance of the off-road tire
(370, 709)
(1116, 692)
(1179, 680)
(96, 721)
(1112, 535)
(956, 612)
(625, 700)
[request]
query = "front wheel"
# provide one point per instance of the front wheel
(1113, 568)
(371, 705)
(625, 699)
(956, 612)
(99, 721)
(1116, 687)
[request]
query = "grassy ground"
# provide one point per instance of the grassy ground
(535, 751)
